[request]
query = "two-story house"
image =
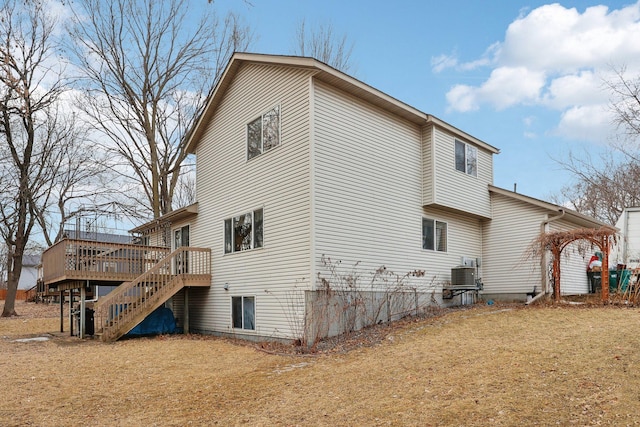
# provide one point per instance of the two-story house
(305, 173)
(298, 162)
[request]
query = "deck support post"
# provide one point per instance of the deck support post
(83, 297)
(71, 312)
(61, 311)
(186, 310)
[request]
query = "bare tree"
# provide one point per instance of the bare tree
(625, 105)
(323, 44)
(80, 176)
(29, 89)
(602, 188)
(185, 193)
(3, 266)
(147, 69)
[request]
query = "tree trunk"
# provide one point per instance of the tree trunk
(13, 276)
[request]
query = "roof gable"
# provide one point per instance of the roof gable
(328, 75)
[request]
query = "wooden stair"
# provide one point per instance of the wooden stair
(130, 303)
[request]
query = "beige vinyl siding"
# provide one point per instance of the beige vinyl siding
(464, 235)
(507, 265)
(507, 236)
(573, 265)
(156, 238)
(277, 181)
(176, 303)
(368, 193)
(428, 167)
(455, 189)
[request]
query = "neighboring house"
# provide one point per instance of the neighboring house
(96, 236)
(111, 264)
(627, 250)
(297, 164)
(29, 275)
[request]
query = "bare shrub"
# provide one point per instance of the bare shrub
(347, 299)
(351, 298)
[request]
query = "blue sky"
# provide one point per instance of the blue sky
(523, 76)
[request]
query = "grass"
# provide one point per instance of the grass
(490, 365)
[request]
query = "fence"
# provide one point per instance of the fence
(21, 294)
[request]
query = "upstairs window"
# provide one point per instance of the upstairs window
(466, 158)
(434, 235)
(263, 133)
(243, 232)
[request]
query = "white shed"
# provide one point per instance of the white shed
(627, 251)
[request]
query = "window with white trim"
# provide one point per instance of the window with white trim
(434, 235)
(243, 232)
(243, 313)
(263, 133)
(466, 158)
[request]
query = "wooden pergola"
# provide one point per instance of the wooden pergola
(556, 241)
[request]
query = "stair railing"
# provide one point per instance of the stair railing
(129, 301)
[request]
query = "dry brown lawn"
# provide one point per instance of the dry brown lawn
(490, 365)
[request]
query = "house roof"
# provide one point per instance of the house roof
(329, 75)
(172, 216)
(97, 237)
(576, 217)
(30, 260)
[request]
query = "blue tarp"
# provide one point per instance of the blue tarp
(161, 321)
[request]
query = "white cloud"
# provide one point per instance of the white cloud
(582, 88)
(505, 88)
(508, 86)
(529, 121)
(555, 57)
(61, 13)
(463, 97)
(442, 62)
(590, 123)
(556, 39)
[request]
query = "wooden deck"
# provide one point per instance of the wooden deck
(146, 277)
(72, 260)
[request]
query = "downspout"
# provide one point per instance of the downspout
(625, 239)
(543, 258)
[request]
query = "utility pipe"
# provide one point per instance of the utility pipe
(543, 258)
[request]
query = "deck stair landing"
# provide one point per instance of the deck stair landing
(130, 303)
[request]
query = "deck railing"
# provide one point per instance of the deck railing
(127, 305)
(71, 259)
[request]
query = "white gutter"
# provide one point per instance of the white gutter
(543, 259)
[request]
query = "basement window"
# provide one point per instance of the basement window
(243, 312)
(263, 133)
(466, 158)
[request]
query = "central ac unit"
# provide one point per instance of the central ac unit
(463, 276)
